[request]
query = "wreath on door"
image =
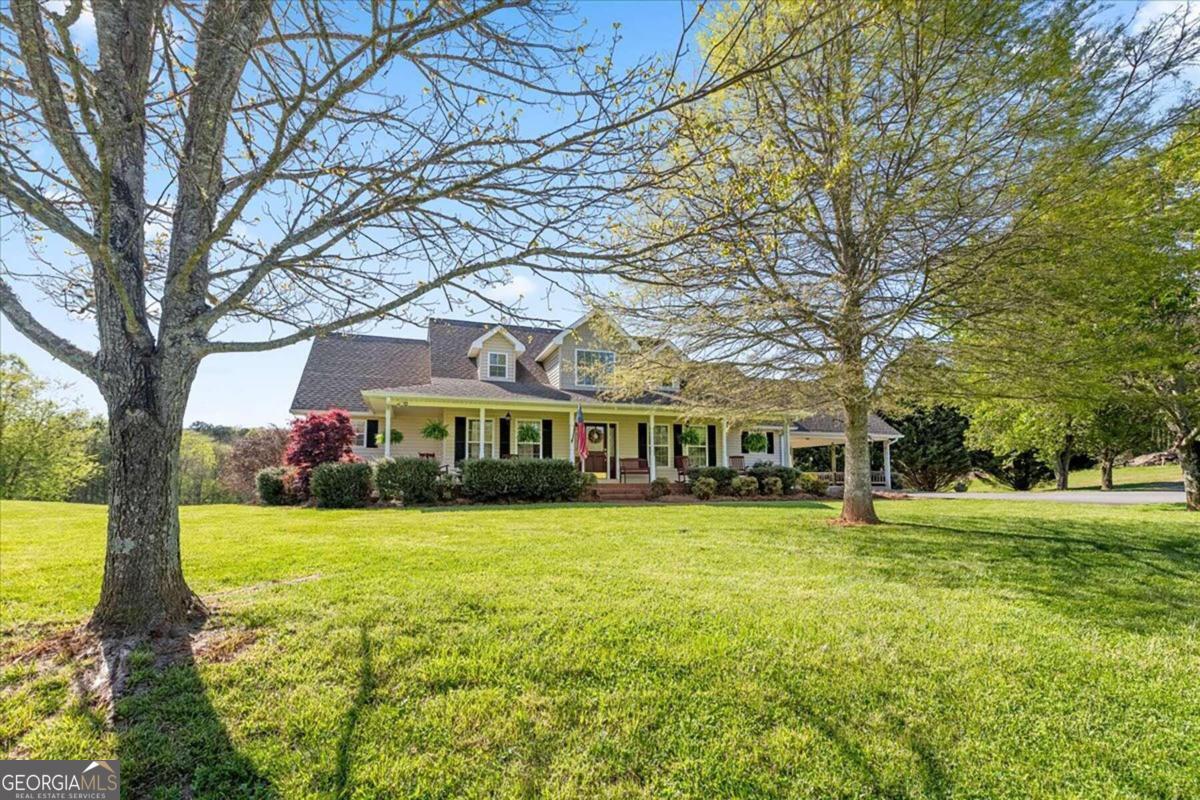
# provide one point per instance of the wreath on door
(595, 436)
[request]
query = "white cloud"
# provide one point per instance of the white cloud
(521, 286)
(1150, 10)
(84, 29)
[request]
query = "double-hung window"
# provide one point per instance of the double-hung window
(593, 367)
(473, 438)
(662, 445)
(497, 366)
(529, 438)
(698, 453)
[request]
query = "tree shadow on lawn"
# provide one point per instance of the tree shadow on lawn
(363, 697)
(813, 504)
(171, 740)
(1132, 576)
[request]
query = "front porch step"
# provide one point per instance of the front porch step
(621, 491)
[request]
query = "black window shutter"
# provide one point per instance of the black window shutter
(642, 445)
(712, 445)
(744, 441)
(505, 436)
(677, 435)
(372, 433)
(460, 439)
(770, 441)
(547, 438)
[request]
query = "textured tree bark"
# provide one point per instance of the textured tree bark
(1106, 470)
(1189, 462)
(1062, 463)
(858, 506)
(143, 589)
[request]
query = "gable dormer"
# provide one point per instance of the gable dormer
(582, 353)
(496, 352)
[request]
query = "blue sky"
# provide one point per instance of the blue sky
(256, 388)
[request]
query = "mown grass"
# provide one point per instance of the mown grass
(968, 649)
(1166, 477)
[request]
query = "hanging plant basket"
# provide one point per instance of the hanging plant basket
(754, 442)
(435, 430)
(690, 437)
(397, 437)
(528, 433)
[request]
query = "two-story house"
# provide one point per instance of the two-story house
(503, 391)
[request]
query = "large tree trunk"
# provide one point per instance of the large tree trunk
(858, 506)
(143, 589)
(1106, 470)
(1189, 462)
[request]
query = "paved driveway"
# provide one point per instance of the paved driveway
(1081, 496)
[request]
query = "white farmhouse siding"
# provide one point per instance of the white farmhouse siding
(580, 338)
(734, 443)
(498, 343)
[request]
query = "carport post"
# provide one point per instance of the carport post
(887, 463)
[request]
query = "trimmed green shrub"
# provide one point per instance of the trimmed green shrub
(787, 476)
(745, 486)
(811, 484)
(704, 488)
(722, 475)
(772, 486)
(659, 487)
(413, 480)
(341, 484)
(274, 485)
(534, 479)
(447, 487)
(586, 485)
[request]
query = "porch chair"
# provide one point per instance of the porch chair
(428, 456)
(737, 463)
(681, 468)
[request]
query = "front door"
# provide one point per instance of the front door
(597, 449)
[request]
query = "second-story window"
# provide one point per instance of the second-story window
(497, 366)
(593, 367)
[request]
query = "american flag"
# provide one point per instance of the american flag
(580, 434)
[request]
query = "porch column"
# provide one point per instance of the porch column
(887, 463)
(833, 463)
(571, 438)
(482, 437)
(785, 458)
(650, 439)
(387, 428)
(725, 443)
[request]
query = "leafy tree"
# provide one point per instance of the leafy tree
(319, 438)
(256, 450)
(200, 458)
(1020, 471)
(819, 215)
(242, 175)
(43, 443)
(225, 434)
(1114, 429)
(932, 455)
(1008, 426)
(1107, 312)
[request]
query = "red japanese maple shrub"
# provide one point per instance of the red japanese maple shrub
(319, 438)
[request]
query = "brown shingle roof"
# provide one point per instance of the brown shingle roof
(340, 366)
(832, 423)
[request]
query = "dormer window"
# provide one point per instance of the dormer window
(497, 366)
(593, 367)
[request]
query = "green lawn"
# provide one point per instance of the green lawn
(968, 649)
(1166, 477)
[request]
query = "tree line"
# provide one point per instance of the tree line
(50, 449)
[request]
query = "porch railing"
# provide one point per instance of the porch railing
(839, 478)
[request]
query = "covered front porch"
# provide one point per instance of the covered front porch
(624, 443)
